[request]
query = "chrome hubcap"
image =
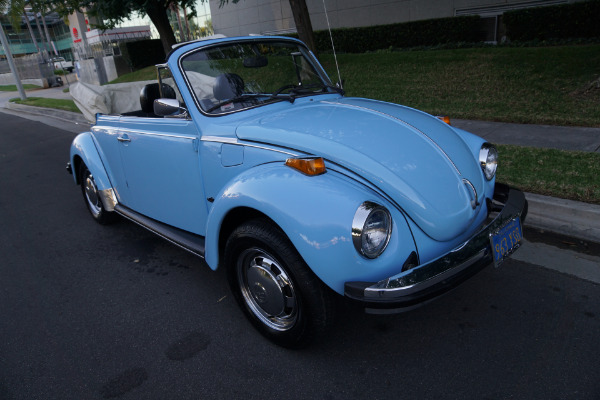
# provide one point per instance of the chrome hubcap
(91, 195)
(267, 289)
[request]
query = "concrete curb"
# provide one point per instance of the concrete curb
(49, 112)
(566, 217)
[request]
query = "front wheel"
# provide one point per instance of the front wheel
(279, 294)
(91, 196)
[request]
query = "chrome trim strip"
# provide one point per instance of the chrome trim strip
(109, 129)
(475, 199)
(402, 122)
(141, 132)
(227, 140)
(219, 139)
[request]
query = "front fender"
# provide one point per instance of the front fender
(84, 147)
(475, 142)
(316, 214)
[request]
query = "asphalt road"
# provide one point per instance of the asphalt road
(93, 312)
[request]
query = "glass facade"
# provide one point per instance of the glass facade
(186, 26)
(21, 42)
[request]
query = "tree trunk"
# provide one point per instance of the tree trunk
(158, 15)
(31, 31)
(182, 35)
(187, 25)
(37, 23)
(46, 30)
(303, 24)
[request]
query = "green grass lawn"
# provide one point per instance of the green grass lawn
(546, 85)
(566, 174)
(13, 88)
(60, 104)
(144, 74)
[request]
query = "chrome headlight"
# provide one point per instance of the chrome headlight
(371, 229)
(488, 158)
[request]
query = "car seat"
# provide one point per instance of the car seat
(227, 86)
(151, 92)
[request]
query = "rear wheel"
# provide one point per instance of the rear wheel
(91, 196)
(279, 294)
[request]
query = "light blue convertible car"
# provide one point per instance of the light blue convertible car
(246, 154)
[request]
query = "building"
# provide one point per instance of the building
(72, 34)
(185, 26)
(275, 16)
(57, 41)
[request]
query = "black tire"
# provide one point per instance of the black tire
(91, 197)
(277, 291)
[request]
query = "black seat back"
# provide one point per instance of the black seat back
(151, 92)
(227, 86)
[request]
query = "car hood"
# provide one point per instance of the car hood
(416, 159)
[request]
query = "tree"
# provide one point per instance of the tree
(14, 9)
(16, 12)
(303, 24)
(111, 12)
(26, 18)
(301, 19)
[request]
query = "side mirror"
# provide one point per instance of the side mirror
(169, 108)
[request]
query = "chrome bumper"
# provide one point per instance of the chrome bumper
(426, 282)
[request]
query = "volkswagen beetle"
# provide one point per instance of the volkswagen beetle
(246, 154)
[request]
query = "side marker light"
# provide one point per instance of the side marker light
(308, 166)
(445, 119)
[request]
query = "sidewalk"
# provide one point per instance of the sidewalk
(75, 121)
(566, 217)
(548, 136)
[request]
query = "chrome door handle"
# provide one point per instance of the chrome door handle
(123, 139)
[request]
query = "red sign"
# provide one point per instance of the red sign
(76, 33)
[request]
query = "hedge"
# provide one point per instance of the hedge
(575, 20)
(409, 34)
(143, 53)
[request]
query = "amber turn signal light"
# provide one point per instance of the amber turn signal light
(308, 166)
(446, 119)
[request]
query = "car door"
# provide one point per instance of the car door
(161, 167)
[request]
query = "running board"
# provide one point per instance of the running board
(186, 240)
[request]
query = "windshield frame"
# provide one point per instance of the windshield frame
(318, 69)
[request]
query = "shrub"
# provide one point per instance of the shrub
(143, 53)
(409, 34)
(576, 20)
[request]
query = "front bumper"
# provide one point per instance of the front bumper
(426, 282)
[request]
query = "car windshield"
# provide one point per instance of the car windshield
(234, 76)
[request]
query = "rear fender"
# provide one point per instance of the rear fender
(84, 150)
(316, 214)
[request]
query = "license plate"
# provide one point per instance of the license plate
(506, 240)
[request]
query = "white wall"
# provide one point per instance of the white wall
(9, 79)
(262, 16)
